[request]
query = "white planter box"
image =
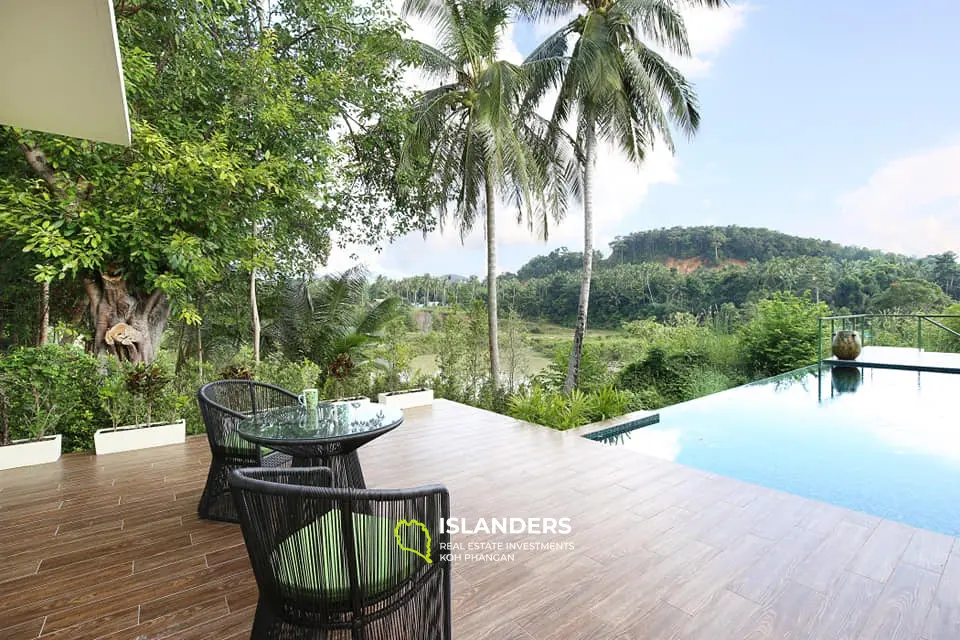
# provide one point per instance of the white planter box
(23, 453)
(139, 437)
(407, 399)
(353, 400)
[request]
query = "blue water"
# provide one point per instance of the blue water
(881, 441)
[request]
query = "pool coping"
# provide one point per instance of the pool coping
(610, 423)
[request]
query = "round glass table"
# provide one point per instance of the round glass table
(327, 437)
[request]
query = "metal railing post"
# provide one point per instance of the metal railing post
(919, 333)
(819, 345)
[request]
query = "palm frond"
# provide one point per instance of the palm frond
(374, 319)
(543, 10)
(680, 96)
(434, 62)
(657, 20)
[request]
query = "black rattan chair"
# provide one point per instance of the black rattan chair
(224, 404)
(329, 562)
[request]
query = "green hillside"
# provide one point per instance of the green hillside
(709, 246)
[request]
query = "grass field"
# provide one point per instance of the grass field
(427, 363)
(542, 340)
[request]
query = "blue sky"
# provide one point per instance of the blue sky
(832, 119)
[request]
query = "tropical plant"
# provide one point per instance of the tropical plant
(563, 411)
(146, 382)
(329, 322)
(468, 134)
(612, 86)
(609, 402)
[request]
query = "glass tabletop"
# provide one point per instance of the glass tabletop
(329, 422)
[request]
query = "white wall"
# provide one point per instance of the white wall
(60, 69)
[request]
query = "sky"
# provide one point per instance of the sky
(823, 118)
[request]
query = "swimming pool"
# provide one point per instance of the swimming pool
(881, 441)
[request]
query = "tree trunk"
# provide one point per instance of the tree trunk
(576, 354)
(492, 278)
(255, 315)
(127, 323)
(43, 314)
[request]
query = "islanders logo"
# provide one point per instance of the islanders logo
(407, 533)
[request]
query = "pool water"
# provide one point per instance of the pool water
(882, 441)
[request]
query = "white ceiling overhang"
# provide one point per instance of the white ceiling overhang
(60, 69)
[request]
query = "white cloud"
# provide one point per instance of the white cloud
(709, 32)
(910, 205)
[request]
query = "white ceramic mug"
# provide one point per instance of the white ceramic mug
(309, 398)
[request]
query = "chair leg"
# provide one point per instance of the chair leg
(216, 503)
(262, 623)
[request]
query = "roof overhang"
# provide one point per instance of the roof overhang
(60, 69)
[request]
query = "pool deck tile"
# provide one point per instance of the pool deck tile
(111, 547)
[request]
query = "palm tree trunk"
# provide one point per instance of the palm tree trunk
(254, 305)
(255, 315)
(492, 279)
(43, 313)
(576, 354)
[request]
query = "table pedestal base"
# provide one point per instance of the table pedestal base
(345, 467)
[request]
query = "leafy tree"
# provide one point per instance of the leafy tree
(910, 295)
(944, 271)
(251, 124)
(782, 334)
(613, 87)
(469, 133)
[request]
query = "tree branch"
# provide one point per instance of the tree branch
(152, 301)
(310, 32)
(121, 10)
(38, 162)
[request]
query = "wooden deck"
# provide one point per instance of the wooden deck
(111, 547)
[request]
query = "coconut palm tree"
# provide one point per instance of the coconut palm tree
(467, 134)
(612, 86)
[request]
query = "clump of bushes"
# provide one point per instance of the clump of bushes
(51, 389)
(567, 411)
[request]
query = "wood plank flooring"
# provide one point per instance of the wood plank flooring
(111, 547)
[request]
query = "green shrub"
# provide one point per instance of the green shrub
(703, 381)
(292, 376)
(669, 374)
(179, 400)
(782, 335)
(52, 389)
